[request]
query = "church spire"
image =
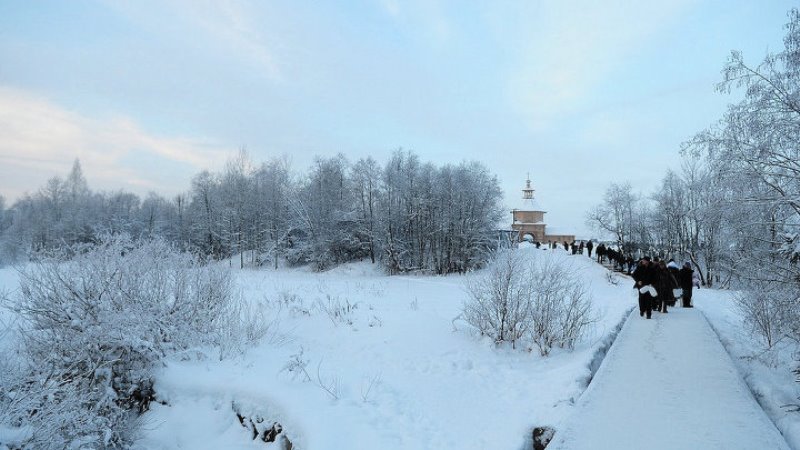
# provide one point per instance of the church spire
(527, 193)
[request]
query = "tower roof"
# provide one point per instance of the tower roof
(529, 202)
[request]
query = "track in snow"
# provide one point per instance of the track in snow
(667, 383)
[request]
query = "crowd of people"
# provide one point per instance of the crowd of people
(660, 284)
(603, 253)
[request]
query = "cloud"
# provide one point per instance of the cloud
(392, 7)
(573, 50)
(232, 22)
(39, 139)
(238, 27)
(431, 19)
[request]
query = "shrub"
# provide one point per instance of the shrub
(562, 309)
(769, 311)
(499, 303)
(94, 328)
(542, 302)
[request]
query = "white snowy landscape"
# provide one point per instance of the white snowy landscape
(355, 359)
(386, 225)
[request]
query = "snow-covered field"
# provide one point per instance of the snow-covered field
(360, 360)
(407, 373)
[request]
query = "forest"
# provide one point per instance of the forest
(406, 214)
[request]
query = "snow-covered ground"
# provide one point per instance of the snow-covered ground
(667, 383)
(389, 365)
(768, 373)
(407, 372)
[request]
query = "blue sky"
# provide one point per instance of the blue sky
(578, 93)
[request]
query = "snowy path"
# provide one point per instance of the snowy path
(667, 383)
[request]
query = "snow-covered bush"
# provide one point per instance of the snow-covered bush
(561, 307)
(542, 302)
(340, 312)
(94, 327)
(499, 302)
(768, 310)
(244, 324)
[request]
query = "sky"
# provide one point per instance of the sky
(578, 94)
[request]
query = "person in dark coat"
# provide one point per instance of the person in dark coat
(609, 254)
(674, 276)
(601, 251)
(685, 278)
(664, 285)
(643, 276)
(616, 258)
(589, 246)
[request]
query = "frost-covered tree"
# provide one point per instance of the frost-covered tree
(326, 220)
(5, 223)
(751, 198)
(78, 209)
(688, 216)
(406, 214)
(617, 215)
(465, 211)
(401, 210)
(438, 219)
(273, 186)
(119, 213)
(156, 217)
(366, 181)
(205, 207)
(238, 206)
(669, 217)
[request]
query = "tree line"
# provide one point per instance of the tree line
(406, 214)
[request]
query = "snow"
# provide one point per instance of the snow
(405, 372)
(9, 280)
(530, 204)
(768, 373)
(416, 378)
(668, 383)
(13, 436)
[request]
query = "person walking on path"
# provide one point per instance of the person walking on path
(674, 273)
(660, 283)
(643, 276)
(686, 280)
(664, 286)
(589, 246)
